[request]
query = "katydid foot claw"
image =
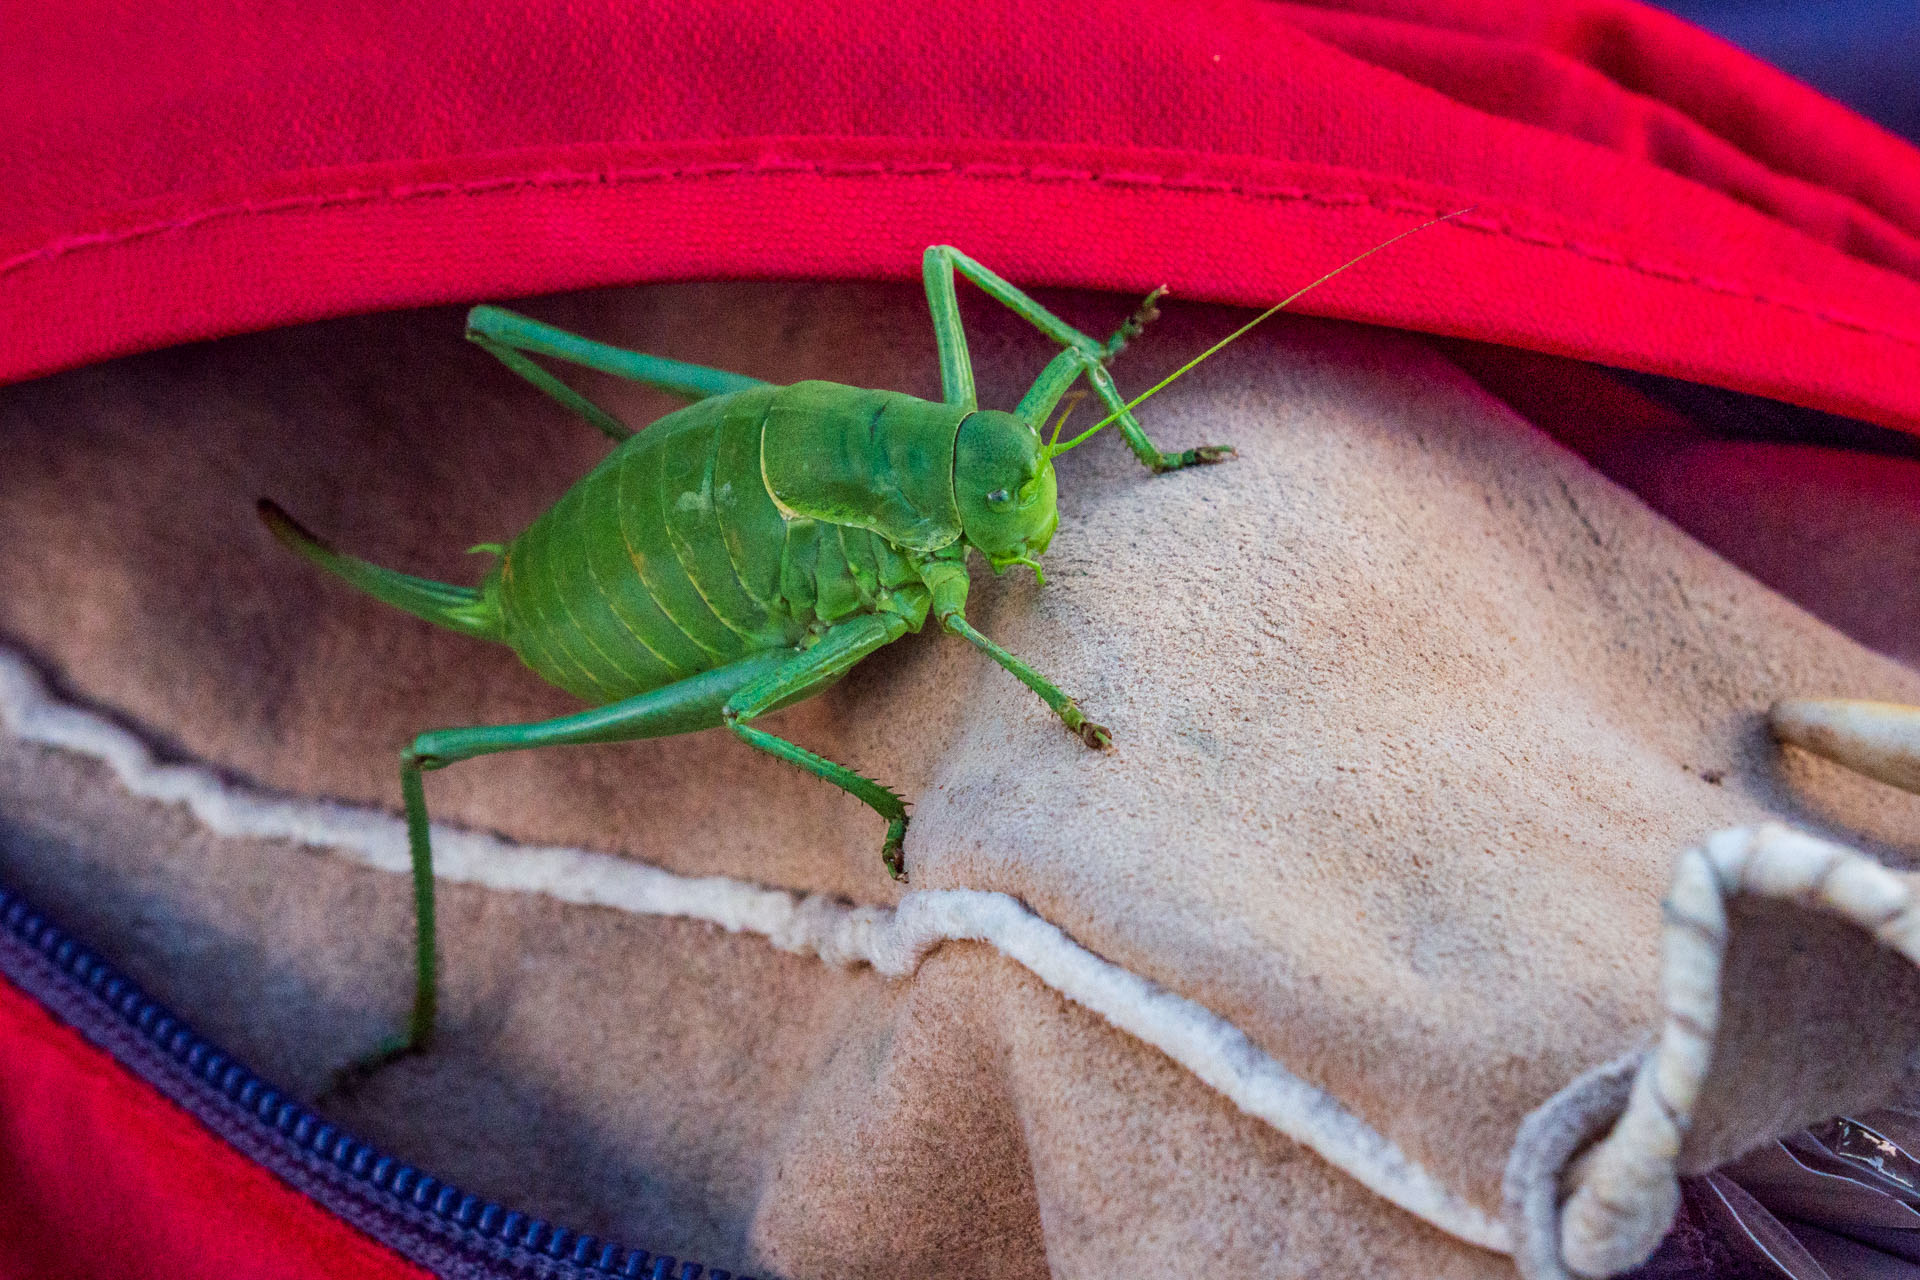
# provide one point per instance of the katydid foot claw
(1200, 456)
(893, 852)
(1144, 315)
(348, 1079)
(1095, 735)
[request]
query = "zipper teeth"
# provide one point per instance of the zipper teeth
(461, 1210)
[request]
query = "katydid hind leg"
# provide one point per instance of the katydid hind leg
(682, 707)
(807, 673)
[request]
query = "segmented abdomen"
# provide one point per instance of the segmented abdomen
(671, 558)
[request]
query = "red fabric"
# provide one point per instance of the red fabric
(101, 1177)
(1645, 195)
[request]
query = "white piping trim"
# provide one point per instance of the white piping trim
(1625, 1190)
(894, 942)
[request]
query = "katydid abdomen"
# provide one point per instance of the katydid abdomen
(674, 557)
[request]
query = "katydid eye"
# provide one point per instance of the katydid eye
(999, 498)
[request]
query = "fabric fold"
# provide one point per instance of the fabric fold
(1788, 995)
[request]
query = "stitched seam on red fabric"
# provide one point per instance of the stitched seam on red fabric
(982, 172)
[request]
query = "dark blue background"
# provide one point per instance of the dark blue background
(1866, 53)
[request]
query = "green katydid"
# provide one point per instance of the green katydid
(744, 552)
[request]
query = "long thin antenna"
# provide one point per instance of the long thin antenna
(1054, 451)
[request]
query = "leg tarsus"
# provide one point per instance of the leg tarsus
(1151, 456)
(346, 1081)
(1094, 735)
(881, 799)
(1143, 315)
(1097, 736)
(893, 853)
(1200, 455)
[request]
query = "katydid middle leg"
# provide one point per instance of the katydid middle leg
(805, 674)
(1083, 356)
(510, 337)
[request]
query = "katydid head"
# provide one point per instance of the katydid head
(1003, 482)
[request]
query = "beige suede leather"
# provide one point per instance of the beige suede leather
(1414, 713)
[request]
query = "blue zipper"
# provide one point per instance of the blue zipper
(432, 1223)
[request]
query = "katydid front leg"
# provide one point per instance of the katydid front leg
(1083, 356)
(948, 582)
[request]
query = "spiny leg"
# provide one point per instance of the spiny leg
(1083, 355)
(938, 266)
(804, 674)
(949, 584)
(683, 707)
(1061, 373)
(508, 335)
